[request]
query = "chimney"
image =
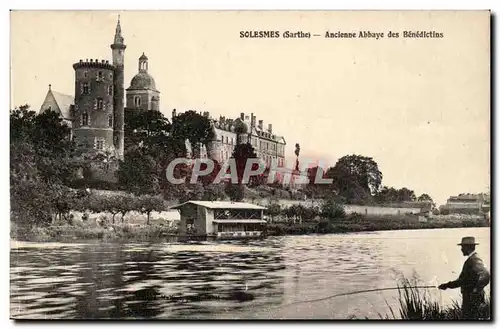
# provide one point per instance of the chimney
(242, 116)
(252, 122)
(270, 128)
(261, 124)
(173, 113)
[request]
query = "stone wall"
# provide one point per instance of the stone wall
(349, 209)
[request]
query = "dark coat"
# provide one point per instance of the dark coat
(474, 276)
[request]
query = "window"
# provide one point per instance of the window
(99, 76)
(99, 144)
(110, 120)
(85, 119)
(85, 74)
(111, 75)
(110, 90)
(137, 101)
(85, 88)
(100, 104)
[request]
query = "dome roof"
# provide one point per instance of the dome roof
(143, 80)
(143, 57)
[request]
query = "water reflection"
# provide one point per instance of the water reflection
(238, 280)
(141, 282)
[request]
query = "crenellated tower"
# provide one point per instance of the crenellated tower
(94, 105)
(118, 50)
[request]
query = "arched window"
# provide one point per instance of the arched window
(110, 120)
(110, 90)
(85, 119)
(137, 101)
(85, 88)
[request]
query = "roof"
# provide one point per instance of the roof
(143, 57)
(252, 221)
(221, 205)
(64, 102)
(142, 81)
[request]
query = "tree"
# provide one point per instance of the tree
(149, 130)
(214, 192)
(49, 142)
(113, 204)
(40, 163)
(193, 127)
(31, 202)
(426, 198)
(196, 191)
(358, 173)
(390, 194)
(273, 210)
(148, 204)
(126, 204)
(241, 154)
(137, 172)
(235, 192)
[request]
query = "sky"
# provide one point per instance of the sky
(419, 107)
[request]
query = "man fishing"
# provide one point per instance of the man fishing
(472, 280)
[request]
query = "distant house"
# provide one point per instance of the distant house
(468, 203)
(220, 219)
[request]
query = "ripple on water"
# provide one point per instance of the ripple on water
(136, 280)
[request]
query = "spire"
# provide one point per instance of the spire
(118, 33)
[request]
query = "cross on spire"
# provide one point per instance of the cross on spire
(118, 32)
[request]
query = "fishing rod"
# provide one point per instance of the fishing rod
(353, 293)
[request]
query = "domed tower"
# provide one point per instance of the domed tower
(142, 93)
(94, 104)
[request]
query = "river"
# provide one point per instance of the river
(252, 280)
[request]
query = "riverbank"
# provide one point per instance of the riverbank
(357, 223)
(82, 231)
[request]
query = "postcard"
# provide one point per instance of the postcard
(270, 165)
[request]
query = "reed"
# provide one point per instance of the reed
(418, 304)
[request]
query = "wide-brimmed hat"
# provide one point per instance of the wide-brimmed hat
(468, 240)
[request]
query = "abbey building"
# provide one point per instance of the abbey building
(96, 111)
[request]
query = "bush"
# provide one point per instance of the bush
(332, 210)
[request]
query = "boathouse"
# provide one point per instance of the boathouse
(220, 219)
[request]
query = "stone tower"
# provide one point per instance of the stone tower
(142, 93)
(94, 104)
(118, 49)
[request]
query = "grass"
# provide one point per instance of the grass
(90, 231)
(418, 304)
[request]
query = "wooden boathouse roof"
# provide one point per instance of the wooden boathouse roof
(221, 205)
